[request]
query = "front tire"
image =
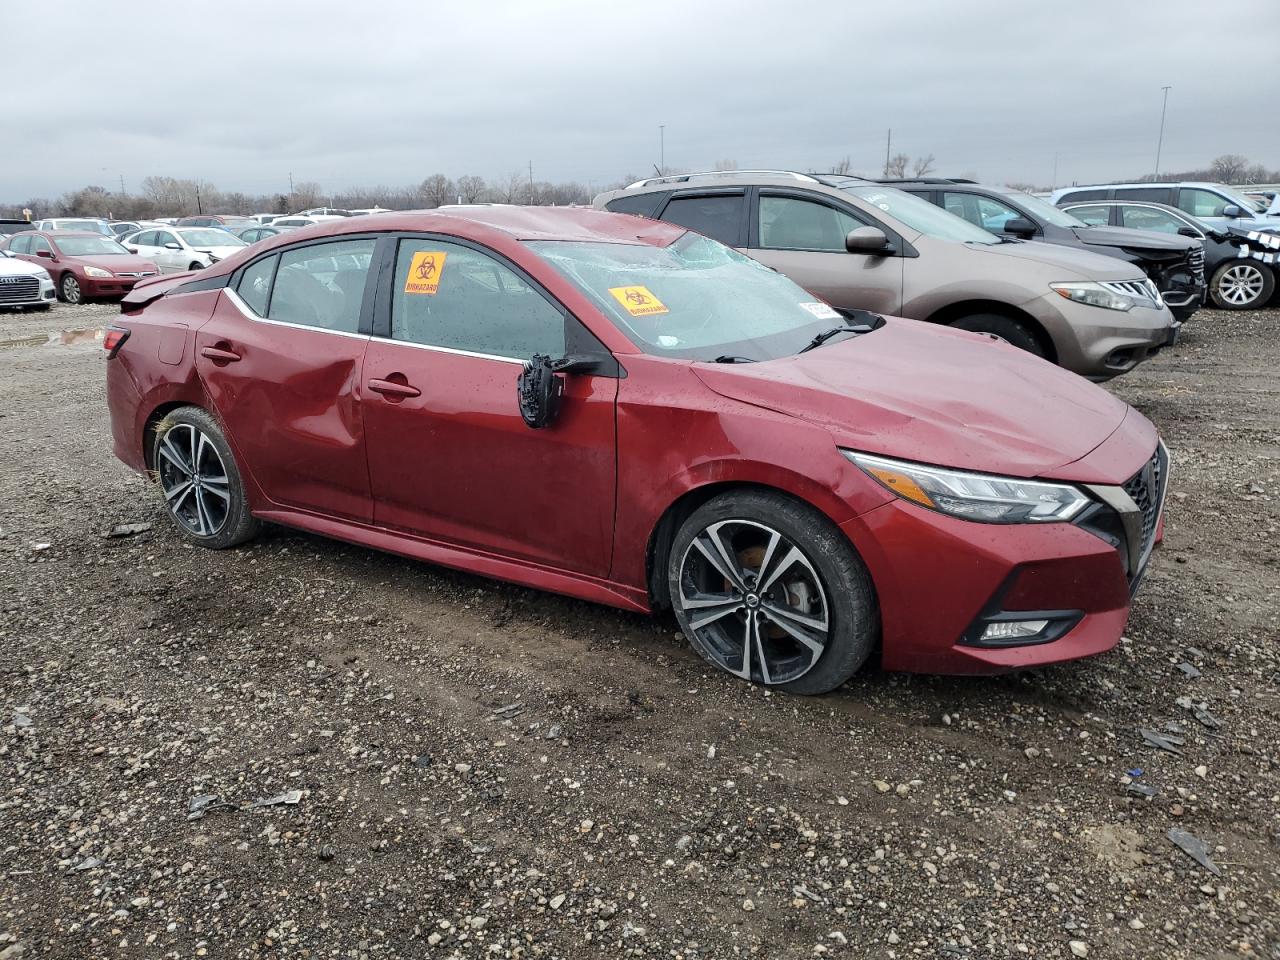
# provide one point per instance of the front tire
(200, 480)
(70, 290)
(1242, 285)
(768, 589)
(1002, 328)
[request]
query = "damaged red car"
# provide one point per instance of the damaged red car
(630, 413)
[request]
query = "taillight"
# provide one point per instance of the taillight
(114, 339)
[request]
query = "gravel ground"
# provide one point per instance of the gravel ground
(460, 768)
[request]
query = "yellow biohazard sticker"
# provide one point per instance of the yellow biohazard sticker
(638, 301)
(424, 272)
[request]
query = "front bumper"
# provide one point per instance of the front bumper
(105, 287)
(1101, 344)
(940, 580)
(21, 292)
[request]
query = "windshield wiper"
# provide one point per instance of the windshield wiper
(826, 335)
(728, 358)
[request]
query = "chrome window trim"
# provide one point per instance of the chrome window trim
(244, 308)
(452, 350)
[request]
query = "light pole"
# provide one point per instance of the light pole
(662, 148)
(1160, 142)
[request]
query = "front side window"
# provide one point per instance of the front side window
(982, 212)
(163, 237)
(1095, 216)
(789, 223)
(322, 285)
(40, 245)
(1144, 218)
(1202, 203)
(918, 215)
(718, 216)
(254, 287)
(694, 299)
(449, 295)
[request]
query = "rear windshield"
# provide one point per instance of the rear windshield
(696, 298)
(89, 247)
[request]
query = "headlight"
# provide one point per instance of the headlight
(974, 496)
(1094, 294)
(96, 272)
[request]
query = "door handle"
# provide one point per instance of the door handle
(394, 390)
(219, 355)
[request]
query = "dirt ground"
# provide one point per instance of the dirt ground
(488, 771)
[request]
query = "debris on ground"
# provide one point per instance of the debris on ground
(1195, 848)
(288, 798)
(126, 530)
(1161, 740)
(1190, 671)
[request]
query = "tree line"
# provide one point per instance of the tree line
(170, 196)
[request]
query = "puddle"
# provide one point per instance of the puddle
(65, 337)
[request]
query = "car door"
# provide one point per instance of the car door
(803, 238)
(450, 458)
(169, 259)
(145, 245)
(280, 359)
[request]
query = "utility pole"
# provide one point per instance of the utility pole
(531, 183)
(1160, 142)
(199, 208)
(1054, 185)
(122, 184)
(888, 145)
(662, 148)
(290, 189)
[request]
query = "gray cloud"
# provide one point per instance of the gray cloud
(243, 92)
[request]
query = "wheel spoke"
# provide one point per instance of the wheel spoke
(795, 624)
(202, 514)
(170, 452)
(792, 556)
(219, 488)
(718, 558)
(715, 613)
(754, 636)
(178, 490)
(775, 538)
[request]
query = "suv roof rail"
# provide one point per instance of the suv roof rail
(684, 177)
(925, 180)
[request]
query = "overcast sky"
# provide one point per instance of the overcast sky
(241, 93)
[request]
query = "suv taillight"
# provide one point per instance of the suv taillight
(114, 339)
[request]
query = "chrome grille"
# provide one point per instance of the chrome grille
(1142, 289)
(140, 273)
(19, 289)
(1146, 489)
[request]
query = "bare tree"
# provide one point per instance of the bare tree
(470, 189)
(843, 167)
(307, 194)
(1022, 187)
(897, 167)
(437, 190)
(923, 166)
(1229, 167)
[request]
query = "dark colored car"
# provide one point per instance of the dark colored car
(1241, 272)
(10, 226)
(633, 414)
(1175, 264)
(217, 220)
(84, 266)
(254, 233)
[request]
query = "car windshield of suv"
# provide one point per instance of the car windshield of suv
(920, 215)
(89, 247)
(91, 225)
(695, 299)
(1244, 203)
(211, 238)
(1044, 210)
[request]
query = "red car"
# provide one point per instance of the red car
(84, 266)
(630, 413)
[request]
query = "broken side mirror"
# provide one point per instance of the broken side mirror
(538, 389)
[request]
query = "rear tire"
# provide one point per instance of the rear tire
(1242, 285)
(200, 481)
(194, 265)
(1004, 328)
(767, 588)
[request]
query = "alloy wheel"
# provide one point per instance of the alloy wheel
(1241, 284)
(194, 479)
(754, 602)
(70, 289)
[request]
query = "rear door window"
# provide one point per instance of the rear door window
(1150, 194)
(718, 216)
(20, 244)
(322, 285)
(640, 204)
(790, 223)
(453, 296)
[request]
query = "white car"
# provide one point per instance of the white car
(177, 249)
(24, 284)
(264, 218)
(296, 221)
(83, 224)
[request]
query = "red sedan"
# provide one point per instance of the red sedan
(84, 266)
(633, 414)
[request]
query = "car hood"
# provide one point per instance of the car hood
(1133, 239)
(931, 394)
(1070, 263)
(115, 264)
(12, 267)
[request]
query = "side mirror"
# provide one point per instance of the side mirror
(1020, 227)
(173, 246)
(1231, 210)
(132, 249)
(1191, 232)
(47, 254)
(538, 389)
(865, 240)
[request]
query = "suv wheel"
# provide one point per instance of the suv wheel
(1241, 285)
(768, 589)
(1002, 328)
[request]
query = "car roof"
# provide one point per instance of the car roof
(1150, 183)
